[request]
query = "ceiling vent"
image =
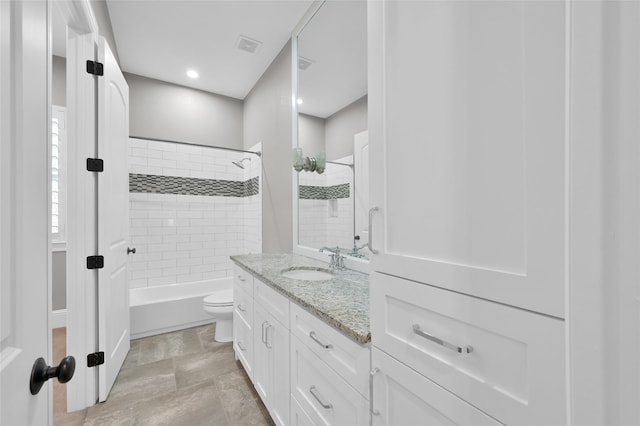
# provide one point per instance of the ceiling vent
(248, 45)
(304, 63)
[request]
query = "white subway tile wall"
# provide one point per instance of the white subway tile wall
(340, 228)
(183, 238)
(253, 205)
(312, 214)
(317, 227)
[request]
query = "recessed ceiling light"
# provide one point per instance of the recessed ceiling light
(299, 101)
(192, 73)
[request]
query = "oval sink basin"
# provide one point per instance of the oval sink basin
(307, 274)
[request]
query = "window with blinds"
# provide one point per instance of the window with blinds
(58, 183)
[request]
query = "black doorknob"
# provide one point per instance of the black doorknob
(41, 372)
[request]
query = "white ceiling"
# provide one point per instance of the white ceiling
(162, 39)
(336, 41)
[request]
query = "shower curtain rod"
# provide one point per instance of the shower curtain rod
(258, 153)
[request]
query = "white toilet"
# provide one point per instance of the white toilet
(219, 305)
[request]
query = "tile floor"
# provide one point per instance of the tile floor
(180, 378)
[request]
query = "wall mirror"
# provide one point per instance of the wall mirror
(330, 123)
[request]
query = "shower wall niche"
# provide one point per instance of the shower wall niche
(191, 208)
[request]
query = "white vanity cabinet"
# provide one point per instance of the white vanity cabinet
(243, 319)
(468, 139)
(271, 351)
(329, 373)
(324, 396)
(305, 371)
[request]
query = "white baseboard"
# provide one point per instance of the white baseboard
(58, 318)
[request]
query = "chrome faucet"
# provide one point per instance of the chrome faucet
(336, 260)
(354, 250)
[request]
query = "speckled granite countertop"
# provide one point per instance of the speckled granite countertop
(342, 302)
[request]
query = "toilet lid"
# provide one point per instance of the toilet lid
(220, 298)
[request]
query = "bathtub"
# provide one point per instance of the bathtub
(156, 310)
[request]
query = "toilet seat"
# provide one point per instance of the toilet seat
(219, 298)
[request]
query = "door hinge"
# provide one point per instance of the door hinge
(95, 165)
(95, 68)
(95, 359)
(95, 262)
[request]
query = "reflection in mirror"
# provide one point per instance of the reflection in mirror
(332, 118)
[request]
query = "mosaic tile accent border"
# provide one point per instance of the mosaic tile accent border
(309, 192)
(157, 184)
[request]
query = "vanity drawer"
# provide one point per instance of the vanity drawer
(515, 368)
(350, 360)
(323, 395)
(403, 397)
(275, 303)
(243, 344)
(298, 416)
(242, 306)
(243, 279)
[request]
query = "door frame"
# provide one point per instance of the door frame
(81, 283)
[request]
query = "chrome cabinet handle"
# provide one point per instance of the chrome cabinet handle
(240, 346)
(241, 307)
(267, 342)
(313, 391)
(372, 210)
(263, 338)
(241, 278)
(458, 349)
(312, 334)
(372, 373)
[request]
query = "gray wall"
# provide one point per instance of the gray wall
(341, 126)
(267, 118)
(101, 11)
(162, 110)
(59, 81)
(59, 280)
(311, 136)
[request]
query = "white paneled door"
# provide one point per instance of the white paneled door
(113, 219)
(467, 133)
(24, 221)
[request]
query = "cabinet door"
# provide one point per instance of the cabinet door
(260, 352)
(243, 329)
(467, 139)
(277, 342)
(403, 397)
(298, 416)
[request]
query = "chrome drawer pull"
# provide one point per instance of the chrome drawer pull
(460, 350)
(266, 340)
(241, 278)
(241, 307)
(240, 346)
(312, 334)
(372, 373)
(313, 391)
(369, 243)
